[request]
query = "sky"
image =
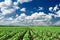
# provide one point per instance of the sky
(29, 12)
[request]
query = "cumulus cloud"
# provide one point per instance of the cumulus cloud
(7, 11)
(8, 2)
(7, 7)
(35, 19)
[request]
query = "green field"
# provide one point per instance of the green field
(29, 33)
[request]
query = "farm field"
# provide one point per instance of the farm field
(29, 33)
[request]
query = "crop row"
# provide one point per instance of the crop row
(29, 34)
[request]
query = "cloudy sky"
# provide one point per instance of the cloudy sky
(29, 12)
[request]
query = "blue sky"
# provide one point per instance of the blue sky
(29, 12)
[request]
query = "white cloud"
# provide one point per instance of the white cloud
(57, 23)
(35, 19)
(10, 18)
(54, 9)
(1, 17)
(36, 15)
(7, 11)
(7, 7)
(20, 18)
(6, 21)
(23, 9)
(40, 8)
(22, 1)
(57, 14)
(17, 15)
(15, 3)
(51, 14)
(41, 18)
(8, 2)
(51, 9)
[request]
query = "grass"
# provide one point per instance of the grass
(29, 32)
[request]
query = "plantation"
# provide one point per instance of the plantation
(29, 33)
